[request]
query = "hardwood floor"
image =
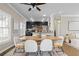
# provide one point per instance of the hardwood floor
(70, 51)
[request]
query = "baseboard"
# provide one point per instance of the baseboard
(6, 50)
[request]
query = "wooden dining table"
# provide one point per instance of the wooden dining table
(37, 38)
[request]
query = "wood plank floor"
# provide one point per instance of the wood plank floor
(70, 51)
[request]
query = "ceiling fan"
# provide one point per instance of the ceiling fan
(34, 5)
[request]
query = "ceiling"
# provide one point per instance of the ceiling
(47, 10)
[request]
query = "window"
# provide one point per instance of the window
(4, 27)
(22, 28)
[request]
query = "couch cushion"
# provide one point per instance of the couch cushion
(75, 43)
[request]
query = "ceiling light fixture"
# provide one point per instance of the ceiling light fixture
(31, 19)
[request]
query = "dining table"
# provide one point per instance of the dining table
(38, 39)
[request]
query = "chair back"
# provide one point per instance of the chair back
(16, 40)
(31, 46)
(60, 41)
(46, 45)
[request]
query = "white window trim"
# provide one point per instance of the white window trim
(9, 27)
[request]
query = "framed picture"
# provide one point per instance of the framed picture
(73, 25)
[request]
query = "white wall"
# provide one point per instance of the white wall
(51, 23)
(14, 16)
(22, 27)
(64, 23)
(6, 42)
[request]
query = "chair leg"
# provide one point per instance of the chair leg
(50, 53)
(54, 52)
(62, 49)
(27, 53)
(22, 50)
(36, 53)
(41, 53)
(14, 51)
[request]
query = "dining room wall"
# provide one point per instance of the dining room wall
(65, 24)
(14, 17)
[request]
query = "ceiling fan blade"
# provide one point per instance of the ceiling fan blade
(33, 3)
(39, 3)
(29, 9)
(38, 9)
(26, 3)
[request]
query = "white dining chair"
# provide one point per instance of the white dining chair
(31, 47)
(46, 46)
(59, 43)
(19, 47)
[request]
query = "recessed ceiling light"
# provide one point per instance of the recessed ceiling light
(42, 20)
(44, 15)
(31, 19)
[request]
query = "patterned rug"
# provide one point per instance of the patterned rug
(55, 52)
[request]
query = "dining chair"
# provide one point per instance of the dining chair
(31, 47)
(46, 46)
(59, 43)
(19, 47)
